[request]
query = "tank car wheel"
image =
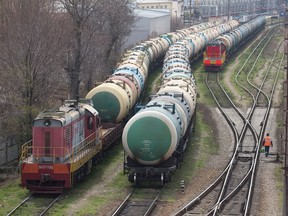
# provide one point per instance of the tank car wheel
(94, 161)
(167, 177)
(135, 180)
(178, 164)
(162, 179)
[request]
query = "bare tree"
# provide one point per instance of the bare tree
(98, 28)
(79, 13)
(30, 46)
(118, 26)
(37, 35)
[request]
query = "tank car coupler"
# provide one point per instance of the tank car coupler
(45, 178)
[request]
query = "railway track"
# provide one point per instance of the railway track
(249, 69)
(40, 203)
(141, 201)
(232, 191)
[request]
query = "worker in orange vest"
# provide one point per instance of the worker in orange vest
(267, 142)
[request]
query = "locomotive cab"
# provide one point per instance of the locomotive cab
(60, 138)
(57, 134)
(214, 56)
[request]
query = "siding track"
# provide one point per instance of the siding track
(232, 192)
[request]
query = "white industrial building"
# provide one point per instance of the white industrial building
(175, 7)
(149, 24)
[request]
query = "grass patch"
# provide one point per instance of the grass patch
(11, 196)
(203, 94)
(97, 199)
(154, 79)
(200, 148)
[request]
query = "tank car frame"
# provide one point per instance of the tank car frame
(156, 137)
(139, 173)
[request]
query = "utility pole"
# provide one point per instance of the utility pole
(228, 12)
(285, 200)
(190, 12)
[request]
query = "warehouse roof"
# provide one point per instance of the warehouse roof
(151, 13)
(152, 1)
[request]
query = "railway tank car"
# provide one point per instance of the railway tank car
(115, 98)
(156, 137)
(218, 51)
(66, 142)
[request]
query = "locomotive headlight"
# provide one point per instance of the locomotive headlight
(47, 123)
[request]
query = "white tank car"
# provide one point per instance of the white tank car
(116, 96)
(168, 115)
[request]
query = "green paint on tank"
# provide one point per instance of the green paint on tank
(107, 105)
(149, 139)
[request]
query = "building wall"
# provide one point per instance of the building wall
(148, 27)
(236, 7)
(159, 25)
(155, 5)
(175, 7)
(139, 32)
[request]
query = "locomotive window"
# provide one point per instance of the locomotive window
(90, 123)
(97, 122)
(68, 135)
(81, 123)
(47, 144)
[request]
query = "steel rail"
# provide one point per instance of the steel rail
(122, 205)
(50, 205)
(129, 197)
(18, 206)
(265, 119)
(252, 168)
(43, 212)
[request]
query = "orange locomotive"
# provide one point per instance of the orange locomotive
(215, 55)
(66, 142)
(224, 45)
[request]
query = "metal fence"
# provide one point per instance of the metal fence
(8, 152)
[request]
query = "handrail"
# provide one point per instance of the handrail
(28, 149)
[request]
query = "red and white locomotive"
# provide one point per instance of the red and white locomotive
(66, 141)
